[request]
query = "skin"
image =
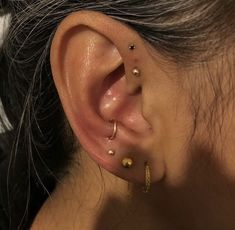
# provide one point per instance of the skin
(192, 179)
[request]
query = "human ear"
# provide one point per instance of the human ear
(92, 66)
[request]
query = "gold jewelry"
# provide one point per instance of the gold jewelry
(136, 72)
(127, 163)
(111, 152)
(114, 131)
(147, 186)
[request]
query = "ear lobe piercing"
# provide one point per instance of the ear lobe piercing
(147, 186)
(127, 163)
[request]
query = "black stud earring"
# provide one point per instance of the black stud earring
(132, 46)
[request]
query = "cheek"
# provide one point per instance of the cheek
(167, 108)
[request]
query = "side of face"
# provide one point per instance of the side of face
(93, 72)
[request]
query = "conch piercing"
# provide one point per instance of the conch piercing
(114, 131)
(147, 186)
(127, 163)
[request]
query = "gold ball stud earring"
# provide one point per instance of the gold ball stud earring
(136, 72)
(127, 162)
(111, 152)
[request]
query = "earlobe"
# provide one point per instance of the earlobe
(99, 99)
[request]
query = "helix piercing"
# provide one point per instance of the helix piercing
(114, 131)
(136, 72)
(111, 152)
(127, 163)
(147, 186)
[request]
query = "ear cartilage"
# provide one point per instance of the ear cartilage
(127, 163)
(132, 47)
(111, 152)
(136, 72)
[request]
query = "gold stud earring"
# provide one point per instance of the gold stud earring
(114, 131)
(147, 186)
(111, 152)
(136, 72)
(127, 163)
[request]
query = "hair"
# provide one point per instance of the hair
(36, 151)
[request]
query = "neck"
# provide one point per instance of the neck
(91, 198)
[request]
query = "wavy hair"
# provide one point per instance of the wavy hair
(36, 151)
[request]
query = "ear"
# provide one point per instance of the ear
(92, 70)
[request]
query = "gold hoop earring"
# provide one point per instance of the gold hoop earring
(147, 186)
(114, 131)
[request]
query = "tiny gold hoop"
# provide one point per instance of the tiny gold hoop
(114, 131)
(147, 186)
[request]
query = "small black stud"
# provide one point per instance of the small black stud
(132, 47)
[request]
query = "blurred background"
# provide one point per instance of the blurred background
(3, 27)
